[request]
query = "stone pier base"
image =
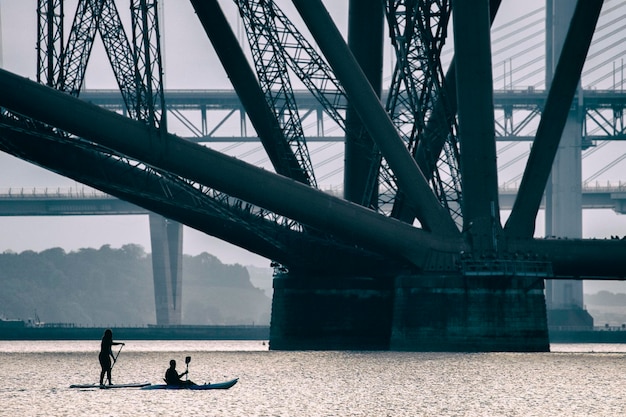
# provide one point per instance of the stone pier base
(469, 314)
(330, 313)
(452, 313)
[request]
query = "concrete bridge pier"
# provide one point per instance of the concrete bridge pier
(564, 190)
(330, 313)
(459, 313)
(453, 313)
(166, 238)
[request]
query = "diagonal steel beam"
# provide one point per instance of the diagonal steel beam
(250, 93)
(133, 184)
(521, 222)
(270, 62)
(181, 201)
(430, 212)
(234, 177)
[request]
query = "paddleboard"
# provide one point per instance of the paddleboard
(217, 385)
(131, 385)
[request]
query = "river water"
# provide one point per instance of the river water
(572, 380)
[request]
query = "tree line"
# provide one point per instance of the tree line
(113, 287)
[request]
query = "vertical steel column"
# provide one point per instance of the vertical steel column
(365, 39)
(429, 149)
(472, 46)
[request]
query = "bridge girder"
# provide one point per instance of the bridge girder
(388, 237)
(435, 240)
(226, 218)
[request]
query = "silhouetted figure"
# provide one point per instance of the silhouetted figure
(172, 377)
(106, 355)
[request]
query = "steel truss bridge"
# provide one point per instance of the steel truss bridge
(420, 205)
(603, 114)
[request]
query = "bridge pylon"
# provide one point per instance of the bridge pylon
(167, 247)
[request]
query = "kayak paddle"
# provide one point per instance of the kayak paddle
(187, 360)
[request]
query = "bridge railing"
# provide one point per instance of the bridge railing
(52, 193)
(87, 192)
(587, 187)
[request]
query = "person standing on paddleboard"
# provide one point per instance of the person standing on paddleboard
(106, 354)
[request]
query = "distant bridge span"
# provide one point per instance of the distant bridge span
(201, 112)
(90, 202)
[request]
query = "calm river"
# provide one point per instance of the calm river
(572, 380)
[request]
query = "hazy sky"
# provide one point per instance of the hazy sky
(189, 63)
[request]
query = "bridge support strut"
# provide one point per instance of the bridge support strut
(167, 243)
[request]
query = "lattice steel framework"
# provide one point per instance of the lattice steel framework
(271, 68)
(166, 188)
(418, 29)
(134, 67)
(418, 33)
(137, 68)
(147, 47)
(49, 41)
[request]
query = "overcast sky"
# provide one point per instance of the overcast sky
(189, 63)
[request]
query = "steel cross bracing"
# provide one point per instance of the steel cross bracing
(271, 67)
(271, 31)
(122, 58)
(49, 41)
(302, 58)
(159, 189)
(418, 29)
(147, 47)
(73, 61)
(137, 69)
(128, 187)
(246, 225)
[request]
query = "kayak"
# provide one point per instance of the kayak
(131, 385)
(217, 385)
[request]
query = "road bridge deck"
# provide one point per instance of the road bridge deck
(82, 202)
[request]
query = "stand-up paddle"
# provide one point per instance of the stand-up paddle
(187, 360)
(118, 354)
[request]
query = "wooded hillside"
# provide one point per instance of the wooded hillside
(107, 287)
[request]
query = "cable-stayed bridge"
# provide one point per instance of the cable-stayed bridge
(419, 228)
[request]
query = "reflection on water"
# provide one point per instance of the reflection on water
(572, 380)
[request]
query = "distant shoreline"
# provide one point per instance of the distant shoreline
(14, 331)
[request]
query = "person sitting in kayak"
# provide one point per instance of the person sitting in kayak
(172, 377)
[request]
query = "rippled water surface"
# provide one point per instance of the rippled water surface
(572, 380)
